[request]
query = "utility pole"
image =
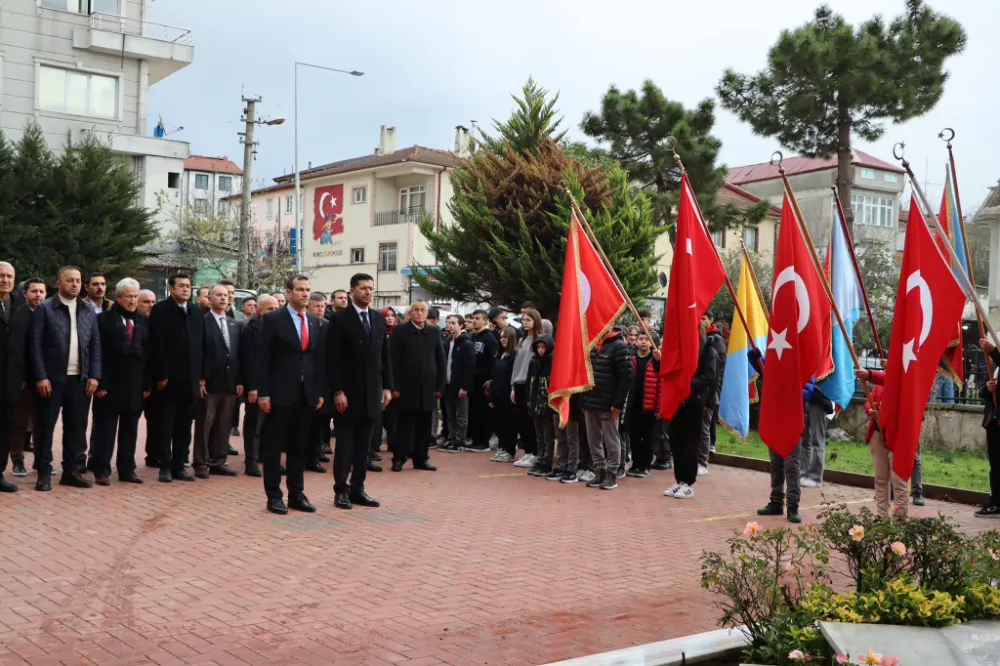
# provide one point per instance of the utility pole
(249, 148)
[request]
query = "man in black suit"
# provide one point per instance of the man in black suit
(360, 373)
(32, 294)
(418, 365)
(123, 387)
(249, 343)
(176, 332)
(319, 431)
(15, 325)
(219, 388)
(290, 387)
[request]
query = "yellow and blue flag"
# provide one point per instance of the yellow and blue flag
(738, 380)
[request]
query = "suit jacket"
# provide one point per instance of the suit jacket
(220, 366)
(990, 412)
(15, 332)
(175, 344)
(249, 342)
(419, 365)
(283, 369)
(358, 363)
(50, 335)
(124, 374)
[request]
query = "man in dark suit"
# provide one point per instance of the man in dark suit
(290, 387)
(319, 430)
(176, 332)
(15, 325)
(65, 358)
(418, 365)
(123, 387)
(360, 372)
(32, 295)
(219, 388)
(249, 343)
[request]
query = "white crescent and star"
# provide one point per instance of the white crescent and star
(779, 343)
(916, 281)
(322, 203)
(584, 289)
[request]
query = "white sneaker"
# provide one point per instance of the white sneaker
(586, 476)
(686, 492)
(502, 456)
(806, 482)
(702, 470)
(527, 460)
(494, 443)
(673, 490)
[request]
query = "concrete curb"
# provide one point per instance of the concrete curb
(717, 647)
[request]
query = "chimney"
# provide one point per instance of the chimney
(462, 141)
(387, 140)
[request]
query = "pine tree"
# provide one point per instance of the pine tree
(31, 222)
(635, 126)
(826, 81)
(533, 120)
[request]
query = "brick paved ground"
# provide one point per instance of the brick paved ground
(473, 564)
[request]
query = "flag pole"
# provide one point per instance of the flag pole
(729, 283)
(819, 269)
(611, 269)
(857, 270)
(965, 238)
(753, 278)
(964, 282)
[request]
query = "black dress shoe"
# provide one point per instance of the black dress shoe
(182, 475)
(165, 476)
(277, 506)
(29, 447)
(397, 465)
(6, 486)
(130, 478)
(372, 467)
(376, 457)
(232, 451)
(75, 480)
(323, 458)
(155, 464)
(253, 470)
(427, 467)
(362, 499)
(222, 471)
(200, 473)
(44, 483)
(102, 480)
(301, 503)
(327, 449)
(343, 501)
(315, 467)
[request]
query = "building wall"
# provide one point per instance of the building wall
(212, 194)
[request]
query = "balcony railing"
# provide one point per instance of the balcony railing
(131, 26)
(405, 216)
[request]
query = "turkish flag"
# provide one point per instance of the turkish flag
(798, 342)
(589, 305)
(328, 204)
(695, 276)
(928, 303)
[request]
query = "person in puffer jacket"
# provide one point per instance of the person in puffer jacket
(539, 370)
(602, 406)
(642, 413)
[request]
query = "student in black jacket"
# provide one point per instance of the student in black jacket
(484, 341)
(499, 397)
(460, 361)
(602, 406)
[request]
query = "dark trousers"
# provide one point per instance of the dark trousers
(212, 423)
(413, 433)
(685, 434)
(785, 476)
(107, 422)
(319, 422)
(506, 424)
(22, 424)
(480, 416)
(251, 441)
(69, 397)
(152, 454)
(715, 424)
(236, 415)
(993, 453)
(287, 428)
(350, 455)
(171, 415)
(644, 431)
(524, 423)
(7, 410)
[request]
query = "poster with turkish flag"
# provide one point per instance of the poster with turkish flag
(928, 303)
(695, 277)
(798, 343)
(328, 221)
(589, 305)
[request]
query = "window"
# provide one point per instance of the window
(201, 205)
(868, 173)
(387, 257)
(201, 181)
(270, 208)
(173, 180)
(750, 238)
(84, 6)
(412, 199)
(357, 255)
(221, 207)
(891, 177)
(360, 194)
(225, 183)
(288, 204)
(719, 238)
(874, 211)
(78, 93)
(238, 211)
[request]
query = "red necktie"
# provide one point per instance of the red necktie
(305, 331)
(130, 328)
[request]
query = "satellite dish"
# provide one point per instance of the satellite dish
(663, 279)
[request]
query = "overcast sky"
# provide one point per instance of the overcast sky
(432, 65)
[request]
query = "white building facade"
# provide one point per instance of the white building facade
(209, 182)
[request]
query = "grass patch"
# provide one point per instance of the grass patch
(957, 469)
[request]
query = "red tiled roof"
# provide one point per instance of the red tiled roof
(442, 158)
(753, 173)
(731, 193)
(212, 164)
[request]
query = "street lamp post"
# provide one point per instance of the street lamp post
(298, 186)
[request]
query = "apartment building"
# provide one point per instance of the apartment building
(209, 182)
(85, 66)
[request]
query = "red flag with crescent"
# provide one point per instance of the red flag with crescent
(798, 342)
(589, 305)
(328, 214)
(928, 303)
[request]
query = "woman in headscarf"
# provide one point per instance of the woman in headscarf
(387, 419)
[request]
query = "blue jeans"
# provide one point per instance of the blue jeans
(944, 389)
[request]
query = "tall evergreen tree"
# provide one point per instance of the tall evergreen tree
(30, 218)
(534, 119)
(635, 125)
(827, 80)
